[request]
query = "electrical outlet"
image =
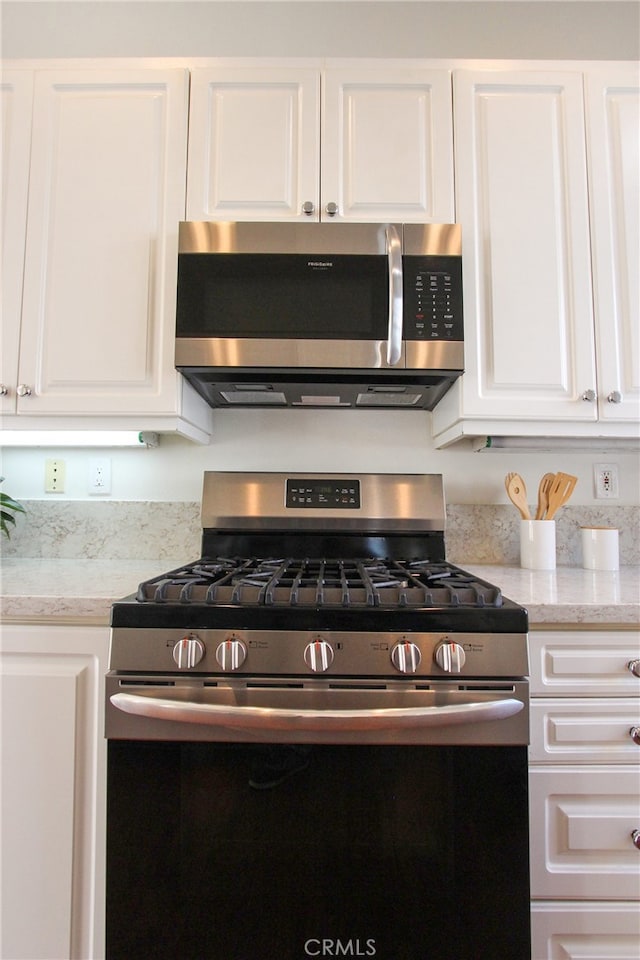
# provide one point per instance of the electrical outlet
(54, 476)
(606, 481)
(99, 476)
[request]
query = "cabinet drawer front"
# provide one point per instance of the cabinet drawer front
(582, 819)
(583, 663)
(584, 731)
(573, 931)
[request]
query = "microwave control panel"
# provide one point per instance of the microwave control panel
(433, 298)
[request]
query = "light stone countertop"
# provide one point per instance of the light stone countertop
(570, 594)
(71, 589)
(83, 590)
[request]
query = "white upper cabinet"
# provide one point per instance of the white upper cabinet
(387, 144)
(254, 143)
(521, 191)
(17, 94)
(538, 359)
(358, 143)
(613, 151)
(106, 193)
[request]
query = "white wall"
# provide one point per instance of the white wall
(324, 440)
(572, 30)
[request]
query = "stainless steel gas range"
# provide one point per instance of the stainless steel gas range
(319, 708)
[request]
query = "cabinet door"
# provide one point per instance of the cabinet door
(53, 792)
(521, 195)
(254, 151)
(387, 144)
(583, 819)
(613, 127)
(17, 94)
(105, 198)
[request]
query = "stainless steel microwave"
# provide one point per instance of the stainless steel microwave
(302, 315)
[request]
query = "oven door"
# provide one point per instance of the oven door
(269, 841)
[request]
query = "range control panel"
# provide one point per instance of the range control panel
(433, 298)
(325, 493)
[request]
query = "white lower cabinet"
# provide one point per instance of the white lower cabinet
(53, 791)
(584, 778)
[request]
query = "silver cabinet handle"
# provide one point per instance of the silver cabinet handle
(248, 717)
(615, 397)
(332, 209)
(634, 667)
(394, 335)
(308, 208)
(4, 390)
(589, 396)
(634, 733)
(635, 836)
(23, 390)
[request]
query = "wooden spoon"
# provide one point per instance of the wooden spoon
(543, 494)
(560, 491)
(517, 493)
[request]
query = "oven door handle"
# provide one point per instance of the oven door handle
(396, 308)
(247, 718)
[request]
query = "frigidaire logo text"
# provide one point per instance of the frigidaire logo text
(319, 263)
(340, 948)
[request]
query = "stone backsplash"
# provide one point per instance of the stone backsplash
(131, 530)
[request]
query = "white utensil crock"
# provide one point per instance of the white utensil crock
(538, 544)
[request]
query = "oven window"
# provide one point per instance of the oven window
(233, 852)
(282, 296)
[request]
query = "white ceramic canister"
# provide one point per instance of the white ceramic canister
(600, 549)
(538, 544)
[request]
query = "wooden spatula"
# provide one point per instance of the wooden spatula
(559, 492)
(543, 494)
(517, 493)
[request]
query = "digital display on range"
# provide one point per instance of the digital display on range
(328, 494)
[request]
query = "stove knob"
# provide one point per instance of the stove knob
(450, 656)
(188, 652)
(406, 656)
(231, 654)
(318, 655)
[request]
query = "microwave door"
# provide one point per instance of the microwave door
(394, 253)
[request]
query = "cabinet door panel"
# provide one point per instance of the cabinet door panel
(53, 792)
(387, 144)
(17, 94)
(613, 118)
(254, 151)
(583, 818)
(106, 195)
(521, 193)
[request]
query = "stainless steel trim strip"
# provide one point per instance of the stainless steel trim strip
(322, 354)
(434, 355)
(242, 352)
(314, 238)
(432, 239)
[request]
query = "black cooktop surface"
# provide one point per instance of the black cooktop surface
(346, 593)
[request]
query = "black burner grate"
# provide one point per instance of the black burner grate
(318, 582)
